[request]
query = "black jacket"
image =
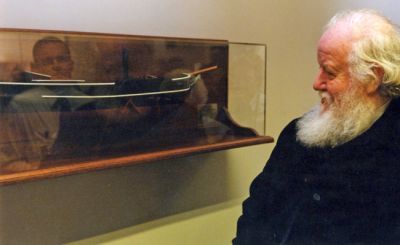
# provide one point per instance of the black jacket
(349, 194)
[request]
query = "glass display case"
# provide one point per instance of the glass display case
(75, 102)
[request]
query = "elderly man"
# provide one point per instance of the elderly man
(333, 177)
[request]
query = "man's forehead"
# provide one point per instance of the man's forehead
(336, 41)
(340, 33)
(51, 48)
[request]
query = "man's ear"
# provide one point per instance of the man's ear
(373, 86)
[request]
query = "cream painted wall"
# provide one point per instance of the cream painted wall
(192, 200)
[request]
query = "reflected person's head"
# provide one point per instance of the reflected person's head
(359, 60)
(51, 56)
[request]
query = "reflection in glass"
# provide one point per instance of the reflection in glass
(67, 98)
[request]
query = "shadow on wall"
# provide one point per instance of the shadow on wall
(74, 207)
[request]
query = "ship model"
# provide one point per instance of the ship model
(149, 88)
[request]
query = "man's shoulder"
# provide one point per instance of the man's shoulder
(386, 129)
(291, 127)
(288, 133)
(393, 112)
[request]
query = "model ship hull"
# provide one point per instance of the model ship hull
(140, 91)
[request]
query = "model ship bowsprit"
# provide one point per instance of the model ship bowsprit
(146, 89)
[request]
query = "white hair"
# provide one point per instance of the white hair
(376, 44)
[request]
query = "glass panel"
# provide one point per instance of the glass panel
(247, 84)
(69, 98)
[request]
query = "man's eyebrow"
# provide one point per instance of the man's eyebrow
(328, 67)
(324, 67)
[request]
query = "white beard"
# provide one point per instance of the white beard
(339, 123)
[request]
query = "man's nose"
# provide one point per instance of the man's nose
(319, 83)
(57, 64)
